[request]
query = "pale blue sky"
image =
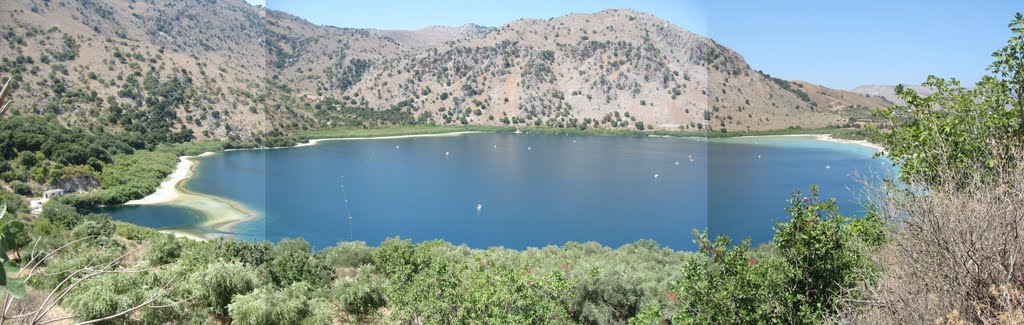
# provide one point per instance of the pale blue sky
(837, 44)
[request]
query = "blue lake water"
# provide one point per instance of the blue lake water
(531, 190)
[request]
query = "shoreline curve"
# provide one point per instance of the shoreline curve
(223, 214)
(826, 137)
(220, 213)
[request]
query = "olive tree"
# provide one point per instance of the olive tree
(219, 282)
(289, 305)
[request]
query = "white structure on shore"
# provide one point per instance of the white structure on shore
(36, 206)
(53, 193)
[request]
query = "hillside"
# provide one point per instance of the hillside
(178, 70)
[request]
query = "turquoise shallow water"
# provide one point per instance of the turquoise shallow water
(531, 190)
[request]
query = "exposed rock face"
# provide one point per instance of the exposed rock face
(228, 69)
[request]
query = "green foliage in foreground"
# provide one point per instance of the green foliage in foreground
(798, 278)
(814, 258)
(958, 133)
(13, 235)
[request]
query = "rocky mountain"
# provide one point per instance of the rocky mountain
(888, 92)
(226, 69)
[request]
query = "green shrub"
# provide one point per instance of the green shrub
(292, 262)
(604, 298)
(78, 256)
(20, 188)
(960, 134)
(134, 232)
(163, 249)
(94, 225)
(731, 286)
(815, 257)
(61, 214)
(826, 253)
(290, 305)
(108, 294)
(361, 295)
(218, 283)
(15, 204)
(347, 254)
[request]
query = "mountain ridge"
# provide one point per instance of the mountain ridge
(227, 69)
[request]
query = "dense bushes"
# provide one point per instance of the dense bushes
(129, 177)
(957, 218)
(291, 261)
(958, 133)
(956, 251)
(361, 295)
(37, 148)
(163, 249)
(15, 203)
(294, 304)
(61, 214)
(216, 284)
(347, 254)
(814, 259)
(797, 279)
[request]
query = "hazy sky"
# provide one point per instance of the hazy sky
(840, 44)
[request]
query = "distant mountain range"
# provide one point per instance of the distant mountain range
(888, 92)
(229, 69)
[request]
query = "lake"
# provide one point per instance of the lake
(519, 191)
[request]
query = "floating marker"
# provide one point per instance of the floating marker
(396, 147)
(758, 156)
(655, 176)
(529, 148)
(479, 207)
(677, 163)
(828, 167)
(446, 154)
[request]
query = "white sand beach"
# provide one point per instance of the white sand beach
(168, 191)
(825, 137)
(865, 143)
(220, 213)
(448, 134)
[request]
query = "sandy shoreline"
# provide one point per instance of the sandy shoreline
(167, 191)
(826, 137)
(429, 135)
(223, 214)
(220, 213)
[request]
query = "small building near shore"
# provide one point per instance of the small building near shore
(53, 193)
